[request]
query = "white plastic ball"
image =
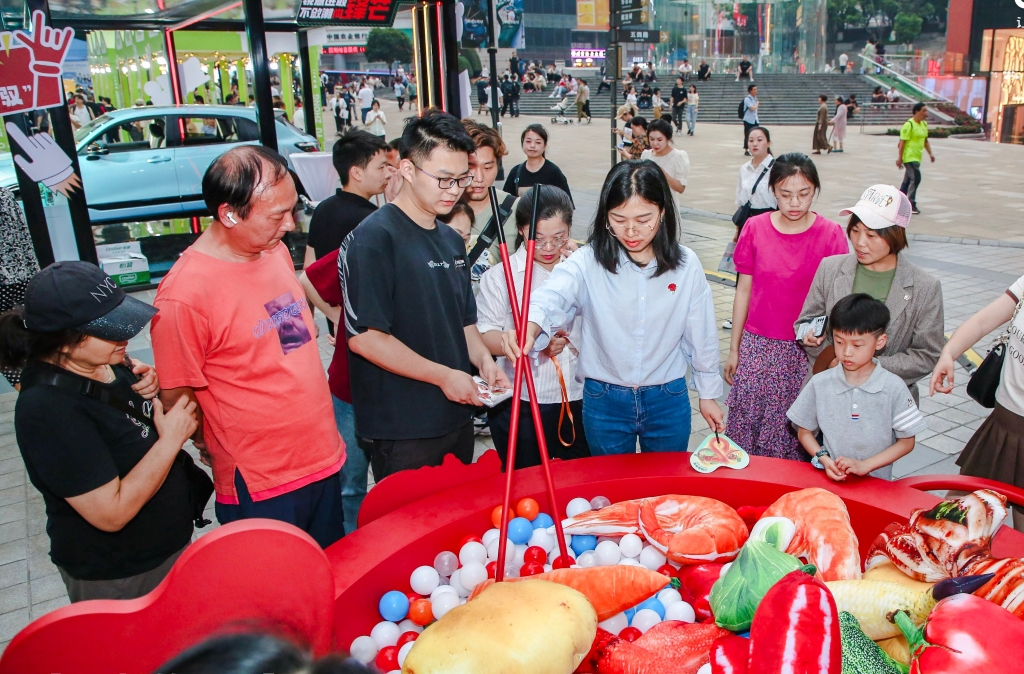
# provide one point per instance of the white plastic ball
(472, 574)
(705, 668)
(442, 589)
(519, 557)
(473, 552)
(615, 624)
(490, 535)
(547, 567)
(587, 560)
(424, 580)
(404, 651)
(645, 619)
(626, 561)
(556, 553)
(608, 553)
(599, 502)
(680, 611)
(725, 568)
(364, 649)
(651, 558)
(444, 603)
(631, 546)
(602, 539)
(409, 626)
(542, 539)
(670, 596)
(385, 634)
(492, 548)
(456, 582)
(445, 563)
(577, 506)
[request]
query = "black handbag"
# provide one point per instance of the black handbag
(985, 380)
(742, 214)
(200, 486)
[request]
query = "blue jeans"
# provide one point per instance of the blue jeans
(615, 416)
(355, 469)
(691, 118)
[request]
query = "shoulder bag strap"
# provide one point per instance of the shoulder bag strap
(69, 382)
(486, 238)
(763, 173)
(1005, 337)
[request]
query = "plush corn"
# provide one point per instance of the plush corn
(872, 601)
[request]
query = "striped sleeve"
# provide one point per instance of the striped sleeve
(907, 420)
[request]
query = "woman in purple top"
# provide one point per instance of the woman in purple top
(776, 257)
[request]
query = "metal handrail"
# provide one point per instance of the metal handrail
(905, 80)
(899, 105)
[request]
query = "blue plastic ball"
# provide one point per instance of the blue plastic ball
(543, 521)
(655, 605)
(394, 606)
(520, 530)
(629, 613)
(581, 543)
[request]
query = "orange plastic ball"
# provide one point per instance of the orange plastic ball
(528, 508)
(496, 517)
(420, 612)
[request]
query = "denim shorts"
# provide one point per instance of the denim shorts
(615, 417)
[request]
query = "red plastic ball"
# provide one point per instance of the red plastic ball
(406, 638)
(496, 517)
(468, 539)
(531, 569)
(420, 612)
(630, 634)
(492, 568)
(668, 570)
(535, 553)
(528, 508)
(561, 562)
(387, 659)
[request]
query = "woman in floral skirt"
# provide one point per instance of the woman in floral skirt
(776, 257)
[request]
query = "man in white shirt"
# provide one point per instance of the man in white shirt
(685, 69)
(80, 114)
(843, 60)
(365, 97)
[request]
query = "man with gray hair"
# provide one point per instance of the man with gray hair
(235, 334)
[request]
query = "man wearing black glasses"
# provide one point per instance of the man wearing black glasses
(410, 314)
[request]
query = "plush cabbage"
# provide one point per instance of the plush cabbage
(760, 564)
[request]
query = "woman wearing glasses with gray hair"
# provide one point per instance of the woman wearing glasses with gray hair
(646, 314)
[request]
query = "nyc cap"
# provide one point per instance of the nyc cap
(882, 206)
(75, 295)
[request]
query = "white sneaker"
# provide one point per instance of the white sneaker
(727, 324)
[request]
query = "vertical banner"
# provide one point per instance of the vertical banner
(474, 24)
(510, 18)
(314, 66)
(592, 15)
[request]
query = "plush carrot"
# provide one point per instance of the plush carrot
(610, 589)
(671, 647)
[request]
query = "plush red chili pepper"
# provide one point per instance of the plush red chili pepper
(696, 582)
(729, 655)
(965, 633)
(796, 629)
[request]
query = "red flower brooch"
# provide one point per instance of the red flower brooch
(671, 287)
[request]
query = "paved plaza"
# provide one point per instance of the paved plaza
(967, 194)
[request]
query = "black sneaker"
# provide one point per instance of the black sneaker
(746, 154)
(915, 210)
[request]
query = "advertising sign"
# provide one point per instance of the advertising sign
(641, 36)
(31, 66)
(347, 12)
(474, 24)
(592, 15)
(510, 18)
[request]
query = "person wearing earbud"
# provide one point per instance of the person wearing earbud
(235, 335)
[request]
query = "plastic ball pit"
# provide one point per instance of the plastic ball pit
(264, 574)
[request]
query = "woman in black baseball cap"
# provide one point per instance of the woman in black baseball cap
(95, 439)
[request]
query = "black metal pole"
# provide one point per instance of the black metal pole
(64, 135)
(307, 83)
(492, 54)
(450, 69)
(613, 55)
(256, 33)
(31, 200)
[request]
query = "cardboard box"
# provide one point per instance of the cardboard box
(124, 263)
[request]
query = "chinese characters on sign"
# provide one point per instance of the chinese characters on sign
(355, 12)
(587, 53)
(30, 66)
(344, 49)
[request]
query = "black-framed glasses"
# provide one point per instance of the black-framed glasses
(448, 183)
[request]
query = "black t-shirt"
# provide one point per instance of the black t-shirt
(73, 444)
(412, 283)
(745, 66)
(521, 179)
(334, 219)
(678, 94)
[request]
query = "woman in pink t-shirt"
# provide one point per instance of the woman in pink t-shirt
(776, 257)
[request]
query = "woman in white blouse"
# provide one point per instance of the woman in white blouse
(647, 316)
(674, 162)
(375, 119)
(761, 199)
(554, 370)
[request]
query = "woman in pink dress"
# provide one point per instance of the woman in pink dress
(839, 122)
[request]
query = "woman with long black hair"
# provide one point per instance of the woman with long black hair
(647, 314)
(537, 169)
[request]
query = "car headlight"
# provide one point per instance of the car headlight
(308, 146)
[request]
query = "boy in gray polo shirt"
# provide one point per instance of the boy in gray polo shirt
(865, 413)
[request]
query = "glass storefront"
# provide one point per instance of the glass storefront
(1003, 56)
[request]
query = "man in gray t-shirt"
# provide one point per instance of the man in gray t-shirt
(858, 421)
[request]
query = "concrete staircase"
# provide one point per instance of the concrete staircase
(785, 99)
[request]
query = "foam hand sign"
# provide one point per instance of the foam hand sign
(31, 65)
(159, 91)
(49, 165)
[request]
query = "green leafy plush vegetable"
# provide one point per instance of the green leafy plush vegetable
(760, 564)
(861, 655)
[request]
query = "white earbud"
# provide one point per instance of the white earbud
(231, 217)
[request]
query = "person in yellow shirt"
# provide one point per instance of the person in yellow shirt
(913, 142)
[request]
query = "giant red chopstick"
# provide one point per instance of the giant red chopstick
(523, 371)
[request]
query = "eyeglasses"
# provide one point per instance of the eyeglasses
(640, 228)
(795, 199)
(551, 244)
(448, 183)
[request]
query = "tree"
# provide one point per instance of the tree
(842, 13)
(470, 55)
(907, 27)
(388, 45)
